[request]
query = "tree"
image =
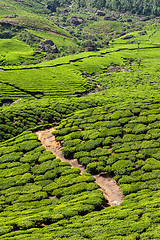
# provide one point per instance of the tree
(100, 4)
(52, 5)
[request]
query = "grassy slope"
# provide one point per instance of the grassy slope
(15, 52)
(33, 17)
(130, 56)
(27, 16)
(60, 41)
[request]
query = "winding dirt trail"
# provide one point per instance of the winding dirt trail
(111, 190)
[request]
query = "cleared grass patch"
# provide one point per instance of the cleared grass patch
(15, 52)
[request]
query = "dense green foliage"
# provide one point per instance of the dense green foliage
(135, 6)
(132, 6)
(128, 145)
(38, 114)
(34, 182)
(122, 140)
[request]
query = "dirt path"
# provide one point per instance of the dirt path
(111, 190)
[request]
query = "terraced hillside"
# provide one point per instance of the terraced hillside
(104, 106)
(121, 139)
(30, 178)
(121, 66)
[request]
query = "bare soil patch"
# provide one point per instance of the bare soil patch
(107, 185)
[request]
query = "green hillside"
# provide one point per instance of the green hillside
(27, 14)
(27, 186)
(96, 81)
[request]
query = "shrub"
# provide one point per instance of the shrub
(140, 128)
(108, 141)
(111, 132)
(25, 178)
(68, 151)
(67, 170)
(37, 170)
(154, 125)
(51, 174)
(12, 157)
(151, 164)
(91, 132)
(130, 188)
(71, 143)
(92, 168)
(30, 158)
(5, 229)
(123, 167)
(73, 135)
(9, 182)
(99, 152)
(85, 160)
(123, 121)
(157, 155)
(136, 111)
(155, 133)
(36, 150)
(43, 183)
(141, 225)
(16, 170)
(89, 145)
(81, 154)
(125, 179)
(74, 189)
(142, 119)
(64, 131)
(116, 115)
(132, 137)
(94, 135)
(24, 223)
(152, 118)
(113, 158)
(46, 156)
(28, 145)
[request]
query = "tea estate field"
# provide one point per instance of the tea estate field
(105, 107)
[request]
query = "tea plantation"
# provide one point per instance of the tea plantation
(37, 189)
(100, 90)
(44, 198)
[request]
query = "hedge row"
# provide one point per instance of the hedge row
(122, 141)
(34, 114)
(37, 189)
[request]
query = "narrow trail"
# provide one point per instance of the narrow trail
(107, 185)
